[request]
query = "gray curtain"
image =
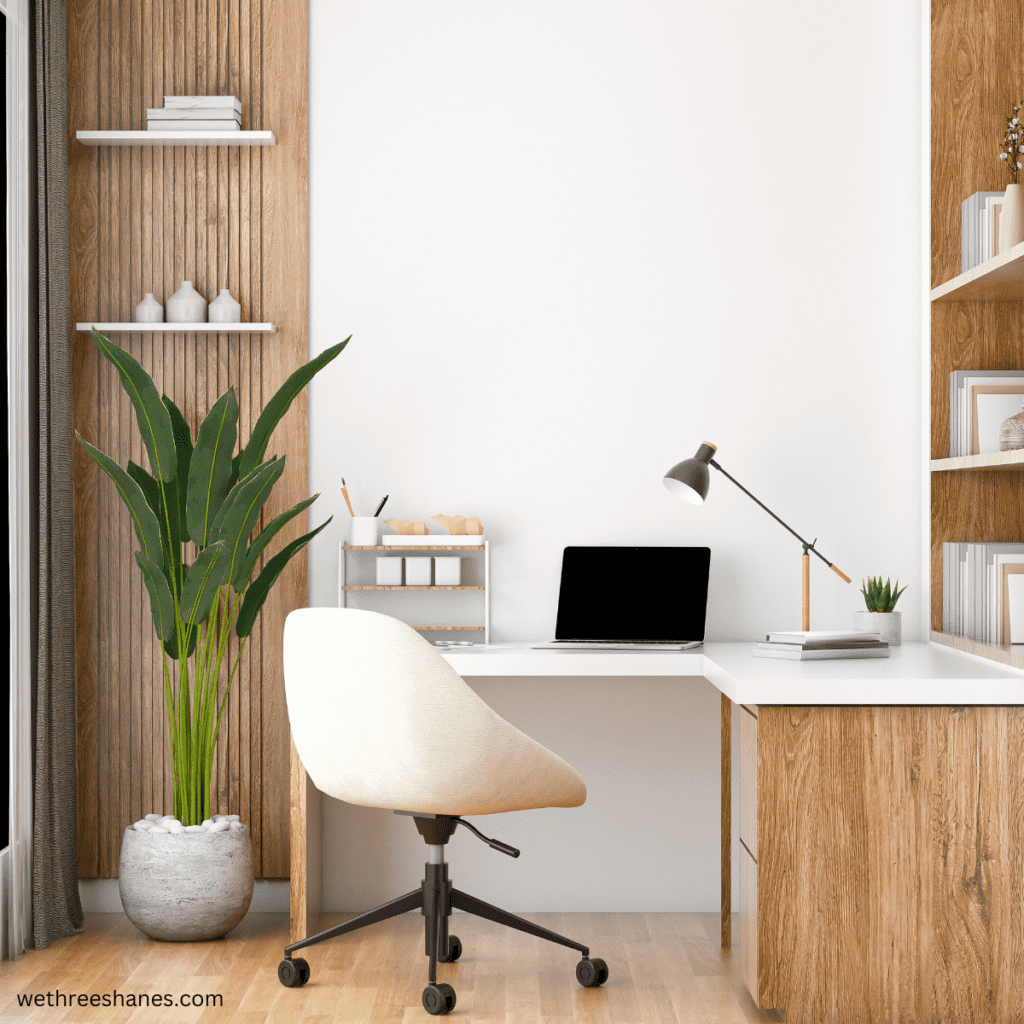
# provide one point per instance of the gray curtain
(56, 907)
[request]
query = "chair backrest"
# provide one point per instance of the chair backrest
(379, 718)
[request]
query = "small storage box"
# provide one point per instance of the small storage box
(417, 571)
(389, 571)
(447, 571)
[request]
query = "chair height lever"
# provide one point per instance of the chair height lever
(494, 844)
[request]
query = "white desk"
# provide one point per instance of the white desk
(926, 725)
(915, 674)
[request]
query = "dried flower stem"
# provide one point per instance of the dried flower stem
(1013, 143)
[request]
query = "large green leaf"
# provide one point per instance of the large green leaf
(151, 414)
(240, 512)
(243, 570)
(254, 450)
(210, 469)
(171, 646)
(257, 593)
(161, 602)
(205, 575)
(183, 451)
(147, 529)
(154, 498)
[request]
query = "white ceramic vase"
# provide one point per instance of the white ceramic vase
(224, 309)
(886, 623)
(1011, 218)
(149, 311)
(186, 306)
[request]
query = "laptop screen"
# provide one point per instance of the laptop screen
(633, 594)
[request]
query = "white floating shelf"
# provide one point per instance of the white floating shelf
(157, 138)
(994, 460)
(1000, 279)
(206, 328)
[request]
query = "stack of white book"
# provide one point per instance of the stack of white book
(195, 114)
(822, 645)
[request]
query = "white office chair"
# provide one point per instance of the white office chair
(380, 719)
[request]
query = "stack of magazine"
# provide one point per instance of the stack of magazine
(822, 645)
(979, 598)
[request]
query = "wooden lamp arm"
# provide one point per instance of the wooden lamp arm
(842, 575)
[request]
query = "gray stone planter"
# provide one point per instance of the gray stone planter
(185, 887)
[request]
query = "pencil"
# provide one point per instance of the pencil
(344, 494)
(381, 505)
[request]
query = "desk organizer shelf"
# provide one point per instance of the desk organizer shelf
(419, 546)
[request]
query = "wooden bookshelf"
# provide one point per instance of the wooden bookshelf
(977, 318)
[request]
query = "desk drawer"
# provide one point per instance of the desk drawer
(748, 779)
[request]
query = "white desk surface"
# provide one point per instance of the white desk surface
(916, 673)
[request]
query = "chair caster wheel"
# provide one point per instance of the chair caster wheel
(438, 999)
(293, 973)
(454, 950)
(591, 973)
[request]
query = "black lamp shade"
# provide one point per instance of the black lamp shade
(688, 480)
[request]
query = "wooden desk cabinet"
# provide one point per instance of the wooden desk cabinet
(882, 862)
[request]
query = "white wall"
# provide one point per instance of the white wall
(572, 240)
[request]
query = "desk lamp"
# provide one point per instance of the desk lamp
(689, 481)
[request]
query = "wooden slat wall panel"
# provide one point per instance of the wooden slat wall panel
(977, 77)
(144, 220)
(891, 863)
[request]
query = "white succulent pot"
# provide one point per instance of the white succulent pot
(886, 623)
(185, 886)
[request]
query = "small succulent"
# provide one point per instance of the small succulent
(880, 598)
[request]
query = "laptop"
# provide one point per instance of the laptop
(632, 598)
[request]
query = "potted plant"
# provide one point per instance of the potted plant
(880, 616)
(188, 876)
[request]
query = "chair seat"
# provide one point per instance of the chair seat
(380, 719)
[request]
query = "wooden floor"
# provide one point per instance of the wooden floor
(663, 968)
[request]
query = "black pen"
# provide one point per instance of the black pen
(381, 505)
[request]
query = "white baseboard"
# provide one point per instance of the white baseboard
(101, 896)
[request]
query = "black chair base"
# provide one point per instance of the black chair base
(436, 898)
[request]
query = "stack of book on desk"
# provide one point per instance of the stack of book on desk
(822, 645)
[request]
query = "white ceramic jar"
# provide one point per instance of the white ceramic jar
(186, 306)
(224, 309)
(149, 311)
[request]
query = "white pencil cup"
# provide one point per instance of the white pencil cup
(364, 531)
